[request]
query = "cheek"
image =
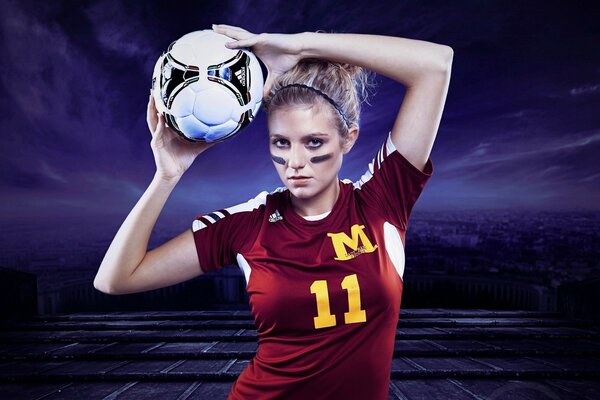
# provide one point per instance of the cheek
(329, 163)
(278, 160)
(321, 159)
(277, 156)
(280, 168)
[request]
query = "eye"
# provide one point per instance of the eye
(314, 143)
(280, 143)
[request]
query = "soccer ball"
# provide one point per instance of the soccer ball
(207, 92)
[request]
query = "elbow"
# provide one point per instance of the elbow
(447, 57)
(439, 63)
(104, 287)
(101, 286)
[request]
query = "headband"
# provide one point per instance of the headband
(329, 99)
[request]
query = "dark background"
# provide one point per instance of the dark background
(513, 200)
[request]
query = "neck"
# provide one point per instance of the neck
(318, 204)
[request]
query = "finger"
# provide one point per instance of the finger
(151, 111)
(151, 117)
(233, 33)
(229, 27)
(242, 43)
(160, 125)
(160, 120)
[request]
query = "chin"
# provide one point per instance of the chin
(301, 192)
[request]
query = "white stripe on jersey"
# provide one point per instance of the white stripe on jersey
(210, 219)
(244, 266)
(389, 145)
(386, 149)
(197, 225)
(380, 156)
(394, 247)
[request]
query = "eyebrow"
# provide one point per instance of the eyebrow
(305, 136)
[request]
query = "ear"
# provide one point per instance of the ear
(350, 139)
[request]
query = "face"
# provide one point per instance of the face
(307, 150)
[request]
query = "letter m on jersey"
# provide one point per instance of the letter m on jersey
(342, 243)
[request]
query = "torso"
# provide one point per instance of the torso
(326, 300)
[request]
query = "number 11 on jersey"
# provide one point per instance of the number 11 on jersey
(324, 318)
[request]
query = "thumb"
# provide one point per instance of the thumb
(160, 123)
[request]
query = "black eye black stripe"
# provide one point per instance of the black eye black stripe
(322, 158)
(278, 160)
(317, 159)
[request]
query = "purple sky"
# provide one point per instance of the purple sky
(519, 127)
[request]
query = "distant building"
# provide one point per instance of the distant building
(476, 292)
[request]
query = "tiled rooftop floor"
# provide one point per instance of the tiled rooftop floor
(439, 354)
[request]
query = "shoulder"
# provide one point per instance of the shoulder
(254, 206)
(389, 162)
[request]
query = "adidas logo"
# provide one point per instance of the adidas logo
(275, 216)
(241, 76)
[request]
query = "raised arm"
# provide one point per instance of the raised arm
(127, 266)
(422, 67)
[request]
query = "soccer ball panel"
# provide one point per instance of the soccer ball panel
(213, 106)
(202, 48)
(219, 132)
(192, 127)
(183, 103)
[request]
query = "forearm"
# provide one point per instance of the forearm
(130, 244)
(403, 60)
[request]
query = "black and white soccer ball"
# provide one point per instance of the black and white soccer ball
(207, 92)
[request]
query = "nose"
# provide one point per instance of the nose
(297, 158)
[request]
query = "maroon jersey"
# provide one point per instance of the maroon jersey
(325, 294)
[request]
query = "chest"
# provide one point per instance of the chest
(325, 279)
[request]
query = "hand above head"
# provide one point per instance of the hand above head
(173, 155)
(279, 52)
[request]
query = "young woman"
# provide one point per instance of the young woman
(323, 259)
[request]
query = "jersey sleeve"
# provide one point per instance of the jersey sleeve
(220, 235)
(391, 185)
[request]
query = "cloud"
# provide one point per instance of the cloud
(590, 178)
(48, 79)
(584, 90)
(120, 29)
(50, 173)
(514, 152)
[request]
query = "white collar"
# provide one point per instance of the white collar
(316, 217)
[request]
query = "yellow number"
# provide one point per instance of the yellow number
(354, 314)
(324, 318)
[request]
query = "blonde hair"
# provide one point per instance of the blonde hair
(347, 85)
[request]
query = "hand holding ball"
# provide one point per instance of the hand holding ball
(207, 92)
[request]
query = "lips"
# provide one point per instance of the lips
(298, 179)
